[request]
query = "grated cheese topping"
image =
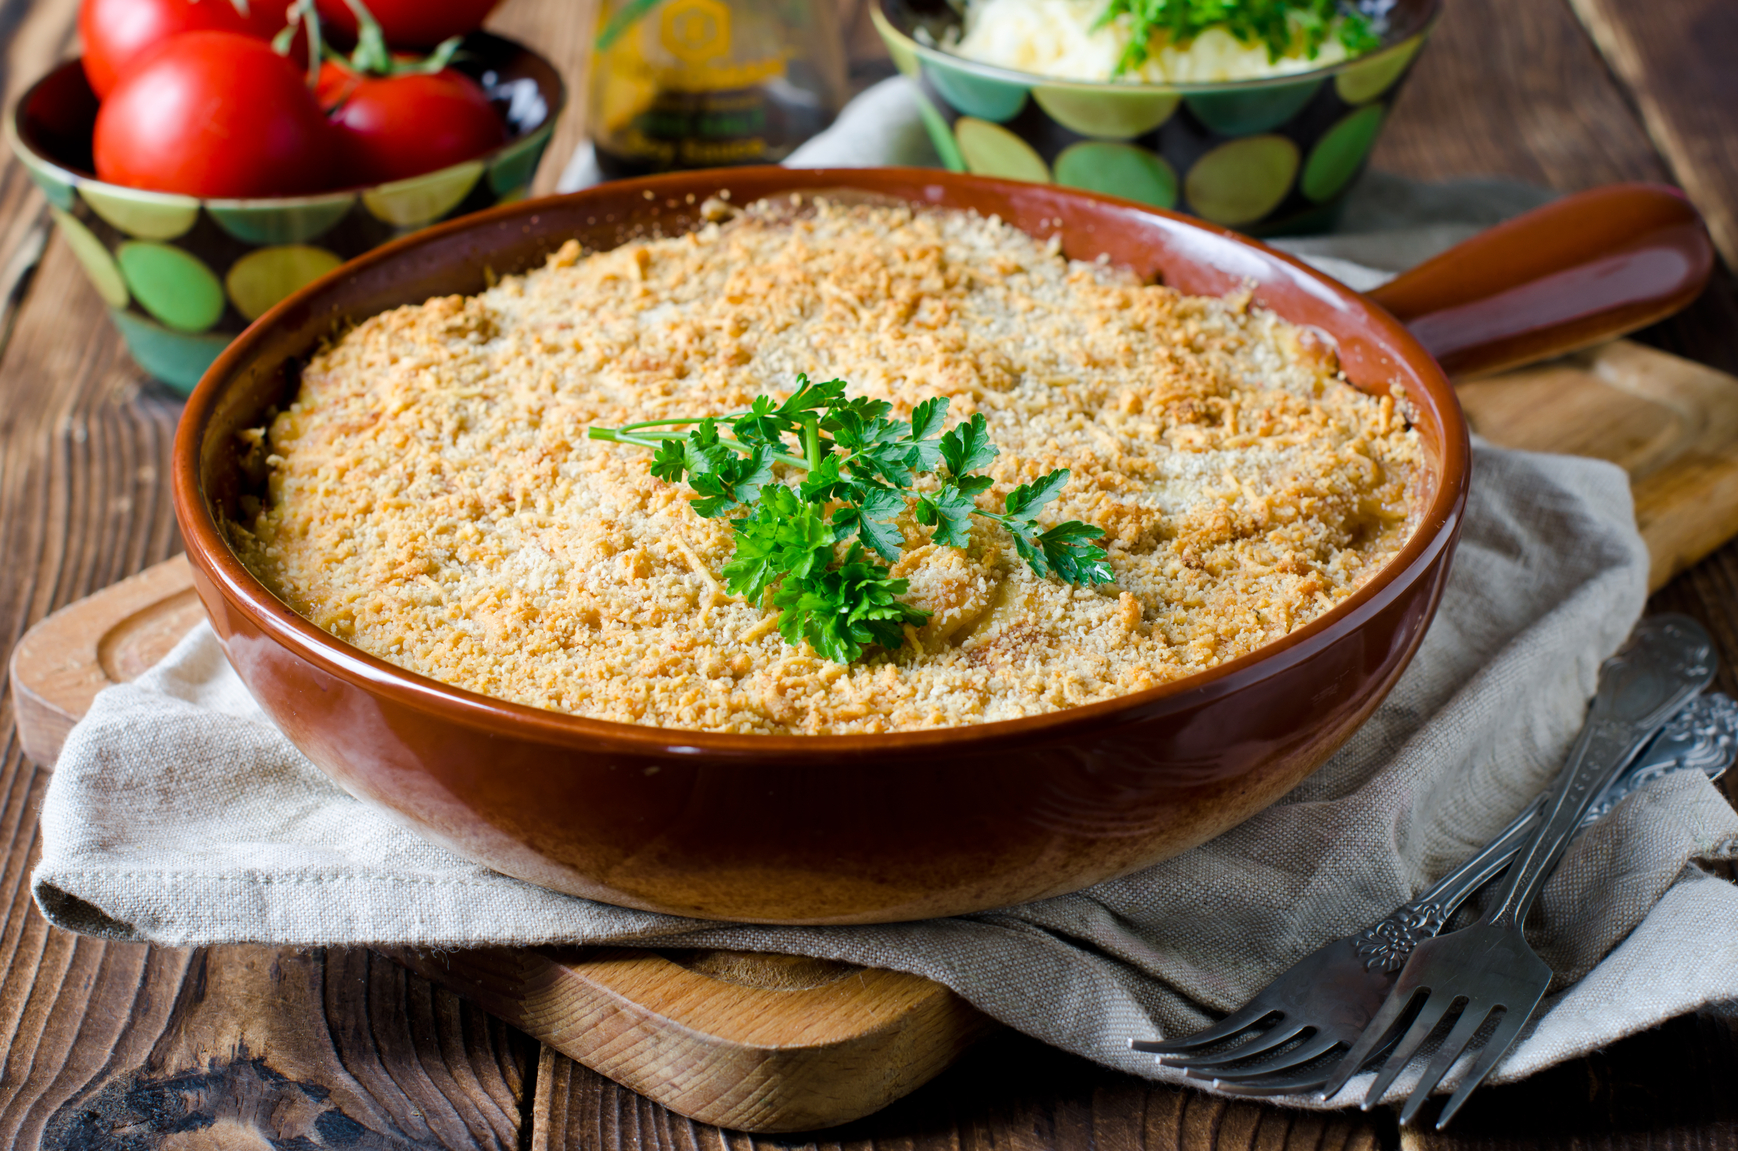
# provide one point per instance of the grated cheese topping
(432, 498)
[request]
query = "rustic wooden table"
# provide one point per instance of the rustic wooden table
(126, 1046)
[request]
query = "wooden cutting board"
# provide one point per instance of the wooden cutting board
(771, 1043)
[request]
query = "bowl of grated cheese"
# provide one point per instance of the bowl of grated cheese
(1259, 122)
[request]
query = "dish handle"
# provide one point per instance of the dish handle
(1576, 272)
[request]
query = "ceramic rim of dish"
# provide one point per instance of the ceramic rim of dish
(1438, 528)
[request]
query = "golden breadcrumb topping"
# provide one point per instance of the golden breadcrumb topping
(433, 498)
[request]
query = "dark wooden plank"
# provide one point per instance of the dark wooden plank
(257, 1046)
(1676, 60)
(33, 35)
(1667, 1088)
(1011, 1092)
(1513, 88)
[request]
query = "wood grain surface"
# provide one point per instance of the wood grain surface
(1511, 88)
(1675, 60)
(1671, 423)
(755, 1042)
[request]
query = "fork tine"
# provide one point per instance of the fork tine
(1465, 1028)
(1312, 1049)
(1293, 1080)
(1374, 1035)
(1429, 1016)
(1509, 1030)
(1237, 1022)
(1298, 1084)
(1260, 1045)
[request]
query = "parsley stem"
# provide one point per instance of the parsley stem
(653, 439)
(812, 440)
(679, 422)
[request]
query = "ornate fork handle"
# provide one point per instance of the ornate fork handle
(1385, 945)
(1699, 737)
(1668, 660)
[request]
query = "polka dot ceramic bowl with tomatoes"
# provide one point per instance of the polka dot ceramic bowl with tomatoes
(182, 274)
(1265, 156)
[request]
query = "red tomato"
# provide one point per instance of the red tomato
(214, 114)
(335, 85)
(410, 23)
(116, 32)
(400, 126)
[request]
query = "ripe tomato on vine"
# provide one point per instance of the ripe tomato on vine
(118, 32)
(216, 115)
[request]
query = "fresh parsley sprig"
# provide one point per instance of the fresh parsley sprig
(859, 469)
(1274, 23)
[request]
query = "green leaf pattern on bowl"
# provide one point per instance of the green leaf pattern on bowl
(1106, 115)
(266, 275)
(1374, 75)
(1117, 169)
(1241, 181)
(1340, 152)
(991, 150)
(293, 223)
(142, 215)
(994, 100)
(422, 200)
(105, 274)
(1257, 110)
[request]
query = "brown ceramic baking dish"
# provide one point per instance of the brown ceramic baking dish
(837, 829)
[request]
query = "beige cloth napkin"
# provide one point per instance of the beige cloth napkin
(178, 814)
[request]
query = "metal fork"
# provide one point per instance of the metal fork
(1324, 1001)
(1488, 970)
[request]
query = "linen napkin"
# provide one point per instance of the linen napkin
(178, 814)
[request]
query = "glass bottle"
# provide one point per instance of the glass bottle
(711, 83)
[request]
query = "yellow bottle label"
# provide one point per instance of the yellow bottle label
(694, 31)
(686, 85)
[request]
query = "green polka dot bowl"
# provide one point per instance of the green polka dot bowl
(1266, 157)
(183, 275)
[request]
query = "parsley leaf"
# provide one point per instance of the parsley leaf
(926, 421)
(949, 511)
(856, 485)
(842, 611)
(762, 424)
(1025, 500)
(1071, 553)
(872, 521)
(735, 481)
(671, 461)
(811, 398)
(1066, 550)
(967, 447)
(784, 538)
